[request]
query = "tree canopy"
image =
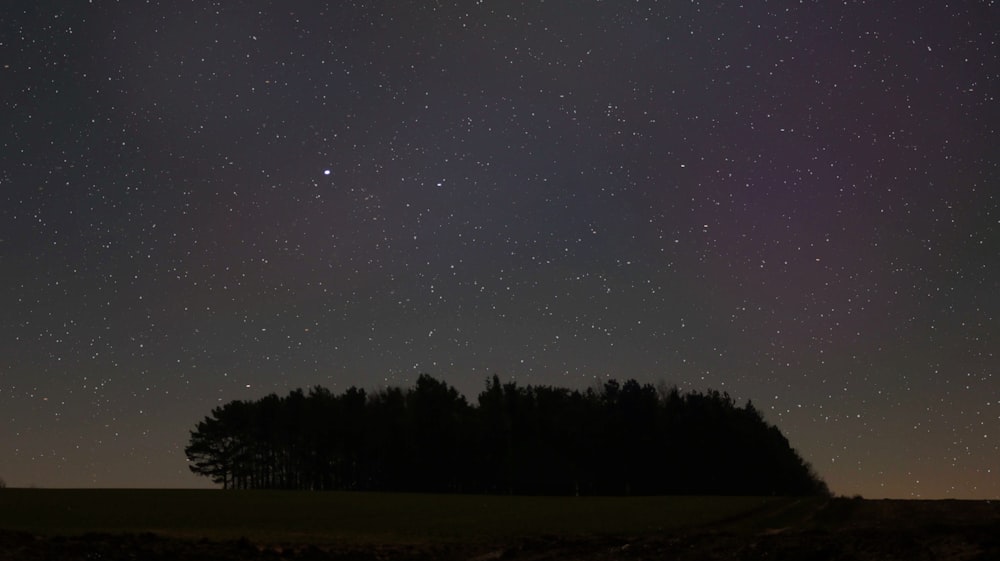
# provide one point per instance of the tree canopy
(618, 439)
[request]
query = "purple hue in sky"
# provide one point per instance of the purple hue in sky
(796, 203)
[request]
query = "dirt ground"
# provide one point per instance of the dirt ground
(845, 529)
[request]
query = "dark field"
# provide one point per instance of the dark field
(180, 524)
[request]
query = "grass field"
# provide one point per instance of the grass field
(312, 517)
(120, 525)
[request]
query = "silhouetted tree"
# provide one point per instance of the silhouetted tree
(436, 414)
(213, 447)
(387, 446)
(614, 439)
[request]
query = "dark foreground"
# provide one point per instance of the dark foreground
(827, 530)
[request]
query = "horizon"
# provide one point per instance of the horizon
(201, 483)
(212, 487)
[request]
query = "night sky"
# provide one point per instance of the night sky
(794, 202)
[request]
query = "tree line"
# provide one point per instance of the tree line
(617, 439)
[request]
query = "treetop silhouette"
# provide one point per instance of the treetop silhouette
(619, 439)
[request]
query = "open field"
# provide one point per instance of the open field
(316, 517)
(199, 524)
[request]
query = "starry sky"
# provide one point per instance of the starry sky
(794, 202)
